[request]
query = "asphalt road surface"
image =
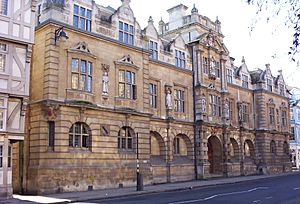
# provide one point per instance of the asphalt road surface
(284, 189)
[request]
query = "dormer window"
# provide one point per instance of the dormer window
(281, 89)
(126, 33)
(205, 65)
(179, 59)
(269, 85)
(82, 18)
(229, 75)
(245, 82)
(153, 50)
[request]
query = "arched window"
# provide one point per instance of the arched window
(125, 138)
(79, 135)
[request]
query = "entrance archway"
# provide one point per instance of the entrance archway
(215, 157)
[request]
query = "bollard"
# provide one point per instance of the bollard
(139, 182)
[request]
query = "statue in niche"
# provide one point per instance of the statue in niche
(212, 66)
(168, 99)
(105, 83)
(240, 106)
(203, 105)
(226, 109)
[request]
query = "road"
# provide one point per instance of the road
(277, 190)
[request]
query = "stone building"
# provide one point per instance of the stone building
(104, 91)
(295, 126)
(16, 40)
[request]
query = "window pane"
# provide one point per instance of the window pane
(3, 8)
(88, 25)
(2, 62)
(89, 14)
(75, 21)
(3, 47)
(89, 86)
(120, 36)
(83, 66)
(82, 22)
(128, 86)
(89, 68)
(121, 76)
(83, 83)
(120, 25)
(131, 40)
(74, 81)
(129, 145)
(51, 132)
(155, 46)
(122, 90)
(77, 141)
(151, 44)
(123, 143)
(82, 11)
(74, 65)
(126, 38)
(125, 27)
(85, 141)
(76, 9)
(133, 78)
(151, 89)
(128, 77)
(71, 140)
(133, 92)
(131, 29)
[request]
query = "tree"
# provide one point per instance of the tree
(290, 9)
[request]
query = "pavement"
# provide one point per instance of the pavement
(79, 197)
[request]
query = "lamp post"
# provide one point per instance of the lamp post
(139, 177)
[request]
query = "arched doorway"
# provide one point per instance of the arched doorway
(215, 157)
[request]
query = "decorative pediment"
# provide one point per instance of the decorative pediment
(126, 60)
(81, 47)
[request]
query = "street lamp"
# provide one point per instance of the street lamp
(60, 34)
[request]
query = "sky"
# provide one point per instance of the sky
(267, 43)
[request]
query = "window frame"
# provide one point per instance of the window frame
(215, 105)
(83, 84)
(153, 48)
(123, 32)
(153, 95)
(176, 146)
(218, 69)
(269, 85)
(245, 81)
(4, 11)
(38, 13)
(4, 54)
(130, 88)
(179, 100)
(180, 58)
(229, 74)
(86, 18)
(283, 116)
(246, 113)
(125, 142)
(51, 134)
(271, 115)
(84, 138)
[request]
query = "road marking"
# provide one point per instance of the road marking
(270, 197)
(296, 188)
(256, 201)
(218, 195)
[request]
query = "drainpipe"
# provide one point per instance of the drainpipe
(194, 66)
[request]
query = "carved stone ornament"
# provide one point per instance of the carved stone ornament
(203, 104)
(81, 46)
(226, 109)
(55, 3)
(127, 59)
(50, 111)
(168, 98)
